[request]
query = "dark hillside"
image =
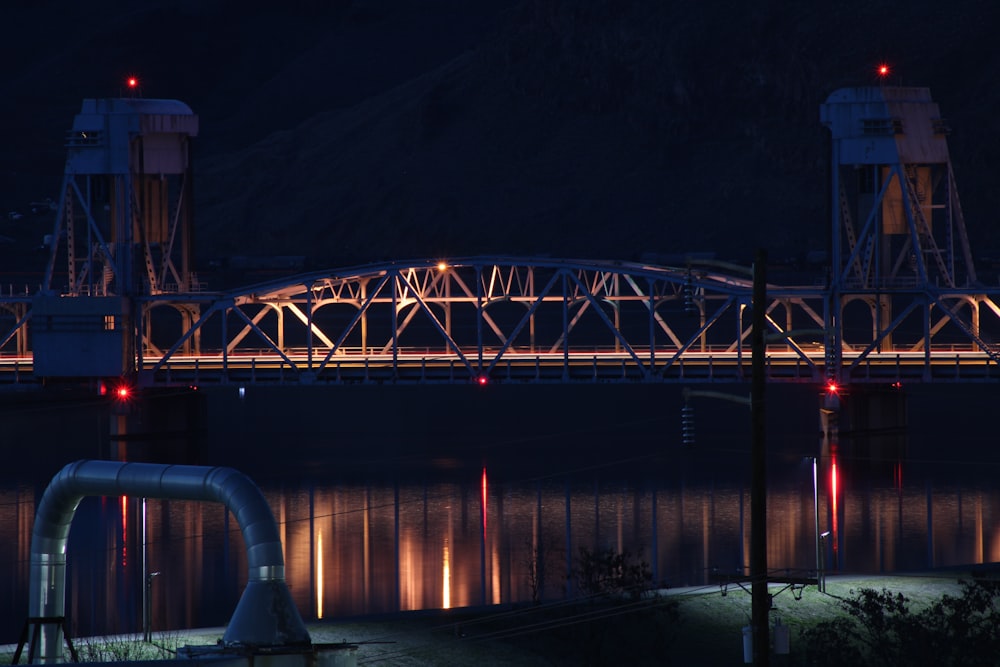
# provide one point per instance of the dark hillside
(357, 131)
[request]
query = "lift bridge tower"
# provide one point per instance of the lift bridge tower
(123, 229)
(898, 231)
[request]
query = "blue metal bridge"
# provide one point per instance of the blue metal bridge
(897, 301)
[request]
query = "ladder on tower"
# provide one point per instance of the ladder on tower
(852, 242)
(924, 232)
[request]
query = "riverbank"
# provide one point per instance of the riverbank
(682, 626)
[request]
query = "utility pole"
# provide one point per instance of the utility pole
(760, 600)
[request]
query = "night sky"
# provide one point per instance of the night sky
(355, 131)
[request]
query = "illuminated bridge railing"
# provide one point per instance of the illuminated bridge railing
(580, 368)
(410, 368)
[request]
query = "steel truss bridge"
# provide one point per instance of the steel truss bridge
(899, 299)
(505, 319)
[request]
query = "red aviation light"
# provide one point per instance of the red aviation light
(832, 388)
(883, 70)
(132, 86)
(482, 380)
(123, 392)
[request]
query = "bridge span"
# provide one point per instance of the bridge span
(897, 298)
(509, 319)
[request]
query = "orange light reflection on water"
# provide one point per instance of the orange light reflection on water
(124, 504)
(319, 574)
(446, 578)
(373, 549)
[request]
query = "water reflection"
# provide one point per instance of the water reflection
(363, 548)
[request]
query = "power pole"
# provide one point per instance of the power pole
(761, 601)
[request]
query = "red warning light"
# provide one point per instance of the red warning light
(883, 70)
(132, 82)
(832, 388)
(482, 380)
(123, 392)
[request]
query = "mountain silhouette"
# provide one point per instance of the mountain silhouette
(349, 132)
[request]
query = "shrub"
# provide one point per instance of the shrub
(880, 629)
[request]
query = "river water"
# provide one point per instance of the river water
(405, 498)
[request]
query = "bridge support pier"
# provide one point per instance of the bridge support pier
(862, 429)
(870, 424)
(163, 426)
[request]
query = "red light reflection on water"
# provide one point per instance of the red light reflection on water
(834, 503)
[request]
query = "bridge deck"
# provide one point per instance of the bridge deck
(412, 367)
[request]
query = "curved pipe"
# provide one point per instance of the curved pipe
(265, 614)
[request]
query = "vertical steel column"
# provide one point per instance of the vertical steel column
(761, 601)
(123, 225)
(531, 317)
(479, 320)
(364, 317)
(63, 214)
(927, 339)
(616, 303)
(140, 327)
(309, 327)
(652, 327)
(739, 339)
(225, 347)
(280, 310)
(395, 325)
(447, 304)
(565, 331)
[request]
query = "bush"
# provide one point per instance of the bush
(125, 648)
(880, 629)
(610, 573)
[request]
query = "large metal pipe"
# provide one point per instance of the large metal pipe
(265, 616)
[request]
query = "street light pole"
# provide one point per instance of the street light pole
(760, 600)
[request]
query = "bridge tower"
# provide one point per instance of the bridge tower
(897, 223)
(125, 206)
(123, 225)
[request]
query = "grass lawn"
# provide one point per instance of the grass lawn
(692, 626)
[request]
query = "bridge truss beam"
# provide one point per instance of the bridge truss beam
(486, 319)
(521, 319)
